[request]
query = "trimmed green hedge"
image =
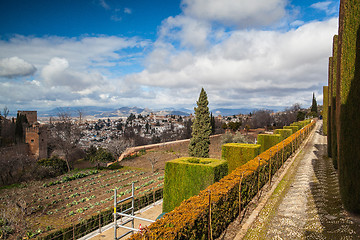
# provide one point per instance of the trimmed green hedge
(268, 140)
(237, 154)
(325, 109)
(187, 176)
(330, 77)
(293, 128)
(349, 124)
(335, 82)
(300, 125)
(284, 133)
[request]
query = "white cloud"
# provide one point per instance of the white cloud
(266, 68)
(189, 32)
(71, 70)
(15, 66)
(57, 73)
(245, 13)
(83, 52)
(297, 23)
(104, 4)
(324, 6)
(127, 10)
(240, 67)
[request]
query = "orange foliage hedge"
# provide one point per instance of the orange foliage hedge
(191, 219)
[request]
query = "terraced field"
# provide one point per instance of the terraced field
(47, 205)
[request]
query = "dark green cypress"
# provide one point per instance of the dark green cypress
(314, 105)
(201, 128)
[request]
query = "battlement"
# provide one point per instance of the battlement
(30, 115)
(33, 129)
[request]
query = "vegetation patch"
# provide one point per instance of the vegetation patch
(268, 140)
(186, 177)
(237, 154)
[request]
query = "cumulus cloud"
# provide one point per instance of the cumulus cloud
(266, 68)
(326, 6)
(187, 31)
(71, 70)
(238, 67)
(84, 52)
(15, 66)
(246, 13)
(57, 73)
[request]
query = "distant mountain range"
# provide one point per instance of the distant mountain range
(105, 112)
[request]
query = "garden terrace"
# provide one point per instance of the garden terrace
(224, 199)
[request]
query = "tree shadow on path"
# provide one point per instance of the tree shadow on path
(335, 221)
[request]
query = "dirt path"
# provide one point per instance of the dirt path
(306, 204)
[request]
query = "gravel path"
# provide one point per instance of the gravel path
(307, 203)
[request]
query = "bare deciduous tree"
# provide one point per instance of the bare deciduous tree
(118, 146)
(81, 114)
(153, 160)
(261, 118)
(5, 112)
(65, 136)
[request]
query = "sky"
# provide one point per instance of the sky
(264, 54)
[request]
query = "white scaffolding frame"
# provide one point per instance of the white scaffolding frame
(131, 217)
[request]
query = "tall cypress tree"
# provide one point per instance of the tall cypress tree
(314, 105)
(201, 128)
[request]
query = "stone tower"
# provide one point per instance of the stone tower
(35, 135)
(30, 115)
(36, 138)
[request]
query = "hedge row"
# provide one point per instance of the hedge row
(74, 231)
(330, 76)
(348, 104)
(293, 128)
(334, 96)
(325, 109)
(221, 200)
(268, 140)
(237, 154)
(284, 133)
(187, 176)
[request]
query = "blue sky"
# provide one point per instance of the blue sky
(158, 54)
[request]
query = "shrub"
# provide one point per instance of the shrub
(268, 140)
(325, 109)
(237, 138)
(56, 163)
(186, 177)
(237, 154)
(293, 128)
(284, 133)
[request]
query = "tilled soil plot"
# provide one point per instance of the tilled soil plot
(56, 203)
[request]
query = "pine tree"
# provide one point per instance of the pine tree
(314, 105)
(201, 128)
